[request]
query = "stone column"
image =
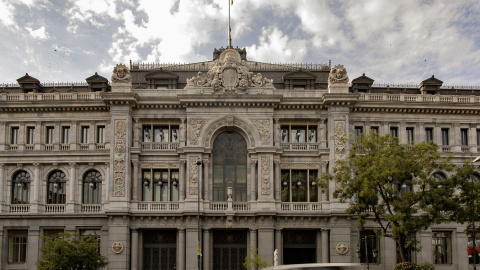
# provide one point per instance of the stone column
(253, 241)
(207, 251)
(135, 250)
(278, 180)
(181, 180)
(135, 180)
(319, 246)
(205, 179)
(181, 249)
(72, 183)
(420, 133)
(279, 245)
(322, 132)
(325, 246)
(21, 137)
(266, 244)
(56, 136)
(402, 133)
(73, 136)
(2, 253)
(37, 136)
(4, 135)
(37, 185)
(472, 138)
(325, 194)
(32, 247)
(277, 133)
(91, 136)
(191, 249)
(253, 180)
(137, 128)
(106, 186)
(3, 187)
(456, 138)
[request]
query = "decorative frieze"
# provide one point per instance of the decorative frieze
(196, 126)
(265, 176)
(119, 159)
(229, 121)
(299, 166)
(263, 127)
(194, 176)
(340, 136)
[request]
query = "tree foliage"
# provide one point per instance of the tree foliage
(392, 185)
(254, 261)
(68, 252)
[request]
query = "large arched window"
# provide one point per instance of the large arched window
(92, 187)
(56, 189)
(21, 188)
(230, 166)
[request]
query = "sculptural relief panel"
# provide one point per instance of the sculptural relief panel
(265, 176)
(263, 127)
(194, 176)
(119, 159)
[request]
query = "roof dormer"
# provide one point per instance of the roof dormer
(97, 83)
(299, 80)
(430, 86)
(29, 84)
(362, 84)
(161, 79)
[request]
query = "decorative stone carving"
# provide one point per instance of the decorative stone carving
(265, 176)
(339, 133)
(323, 130)
(194, 176)
(263, 127)
(119, 159)
(183, 130)
(229, 222)
(342, 248)
(229, 75)
(117, 247)
(229, 121)
(121, 74)
(338, 74)
(196, 129)
(277, 133)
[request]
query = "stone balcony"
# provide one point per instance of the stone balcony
(50, 96)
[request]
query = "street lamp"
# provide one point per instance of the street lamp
(473, 220)
(358, 253)
(199, 250)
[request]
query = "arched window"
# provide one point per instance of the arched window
(230, 166)
(21, 188)
(56, 189)
(92, 187)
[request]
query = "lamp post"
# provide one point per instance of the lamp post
(374, 252)
(473, 220)
(199, 251)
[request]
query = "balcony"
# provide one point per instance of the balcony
(50, 96)
(301, 206)
(91, 208)
(158, 206)
(55, 208)
(299, 146)
(19, 208)
(159, 145)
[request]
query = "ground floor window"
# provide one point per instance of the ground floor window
(442, 247)
(17, 246)
(299, 246)
(159, 250)
(368, 247)
(229, 249)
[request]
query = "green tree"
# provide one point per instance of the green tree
(392, 184)
(253, 261)
(68, 252)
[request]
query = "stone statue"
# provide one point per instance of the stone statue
(121, 74)
(338, 74)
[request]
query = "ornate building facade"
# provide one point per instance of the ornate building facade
(164, 162)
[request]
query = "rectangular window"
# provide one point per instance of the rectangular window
(445, 139)
(428, 134)
(299, 186)
(84, 137)
(394, 132)
(298, 134)
(17, 246)
(374, 129)
(442, 247)
(358, 131)
(49, 135)
(410, 135)
(160, 185)
(464, 136)
(368, 247)
(14, 136)
(93, 234)
(65, 135)
(30, 134)
(52, 233)
(478, 137)
(101, 134)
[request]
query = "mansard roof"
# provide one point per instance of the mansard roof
(300, 74)
(96, 79)
(363, 80)
(27, 79)
(161, 74)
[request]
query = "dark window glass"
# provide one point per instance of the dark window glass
(21, 188)
(56, 189)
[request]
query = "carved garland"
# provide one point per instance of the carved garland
(119, 160)
(196, 129)
(193, 176)
(265, 176)
(263, 127)
(229, 121)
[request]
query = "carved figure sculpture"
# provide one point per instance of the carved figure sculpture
(338, 74)
(121, 74)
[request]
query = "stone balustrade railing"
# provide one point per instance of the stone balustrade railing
(418, 98)
(50, 96)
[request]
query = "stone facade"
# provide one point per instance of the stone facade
(226, 151)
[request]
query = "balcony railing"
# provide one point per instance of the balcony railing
(419, 98)
(158, 206)
(91, 208)
(50, 96)
(159, 145)
(20, 208)
(299, 146)
(55, 208)
(301, 206)
(11, 147)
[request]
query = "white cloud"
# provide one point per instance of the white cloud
(275, 46)
(39, 33)
(6, 14)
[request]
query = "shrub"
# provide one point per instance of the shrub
(427, 266)
(406, 266)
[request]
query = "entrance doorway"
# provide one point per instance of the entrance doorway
(229, 249)
(299, 246)
(160, 250)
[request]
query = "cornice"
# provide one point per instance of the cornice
(415, 110)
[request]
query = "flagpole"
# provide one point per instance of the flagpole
(229, 29)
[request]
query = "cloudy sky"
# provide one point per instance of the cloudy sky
(391, 41)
